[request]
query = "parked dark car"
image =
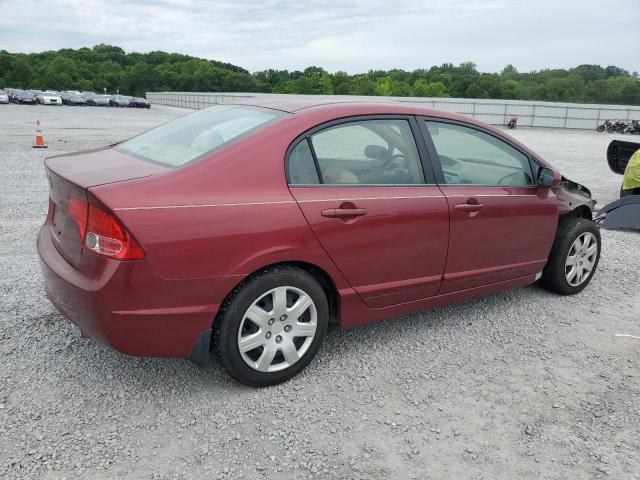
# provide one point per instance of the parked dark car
(73, 99)
(25, 98)
(119, 101)
(139, 102)
(98, 101)
(246, 231)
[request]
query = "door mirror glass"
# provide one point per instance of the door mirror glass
(545, 178)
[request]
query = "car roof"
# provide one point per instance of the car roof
(294, 103)
(346, 105)
(326, 108)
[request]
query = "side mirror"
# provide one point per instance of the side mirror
(545, 178)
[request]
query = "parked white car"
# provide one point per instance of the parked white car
(4, 98)
(49, 98)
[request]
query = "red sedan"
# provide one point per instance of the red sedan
(246, 231)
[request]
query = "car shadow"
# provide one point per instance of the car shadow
(340, 347)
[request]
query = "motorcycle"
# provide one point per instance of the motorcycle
(513, 122)
(613, 126)
(633, 127)
(619, 126)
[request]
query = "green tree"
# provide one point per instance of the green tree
(110, 67)
(60, 74)
(21, 72)
(432, 89)
(238, 82)
(362, 85)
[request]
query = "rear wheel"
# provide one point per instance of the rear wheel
(574, 256)
(271, 326)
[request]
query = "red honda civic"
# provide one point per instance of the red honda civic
(246, 231)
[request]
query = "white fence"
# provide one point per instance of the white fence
(496, 112)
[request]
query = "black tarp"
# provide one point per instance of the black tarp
(623, 214)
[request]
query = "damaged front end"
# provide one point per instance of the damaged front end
(574, 199)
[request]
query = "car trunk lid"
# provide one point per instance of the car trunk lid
(69, 178)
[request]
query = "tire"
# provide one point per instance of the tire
(600, 128)
(571, 235)
(266, 329)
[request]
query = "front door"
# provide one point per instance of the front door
(362, 188)
(502, 224)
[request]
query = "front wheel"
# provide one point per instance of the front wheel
(271, 326)
(600, 128)
(574, 256)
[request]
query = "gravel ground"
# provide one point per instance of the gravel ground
(524, 384)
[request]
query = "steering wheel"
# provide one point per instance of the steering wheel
(396, 166)
(389, 161)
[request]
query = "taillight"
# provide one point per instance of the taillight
(102, 233)
(78, 210)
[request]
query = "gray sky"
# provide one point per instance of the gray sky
(339, 35)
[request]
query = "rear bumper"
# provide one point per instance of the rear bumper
(127, 306)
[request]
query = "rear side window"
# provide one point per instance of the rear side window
(190, 137)
(302, 169)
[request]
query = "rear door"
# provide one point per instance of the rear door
(502, 224)
(362, 187)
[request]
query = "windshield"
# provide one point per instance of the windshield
(187, 138)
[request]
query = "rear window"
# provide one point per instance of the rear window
(190, 137)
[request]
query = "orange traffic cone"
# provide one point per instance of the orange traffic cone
(39, 138)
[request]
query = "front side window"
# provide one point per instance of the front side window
(368, 152)
(183, 140)
(471, 157)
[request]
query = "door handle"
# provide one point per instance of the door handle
(468, 207)
(344, 212)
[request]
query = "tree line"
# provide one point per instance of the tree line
(111, 68)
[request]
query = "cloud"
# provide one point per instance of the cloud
(353, 36)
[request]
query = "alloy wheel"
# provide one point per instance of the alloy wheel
(581, 259)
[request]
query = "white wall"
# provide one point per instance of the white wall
(496, 112)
